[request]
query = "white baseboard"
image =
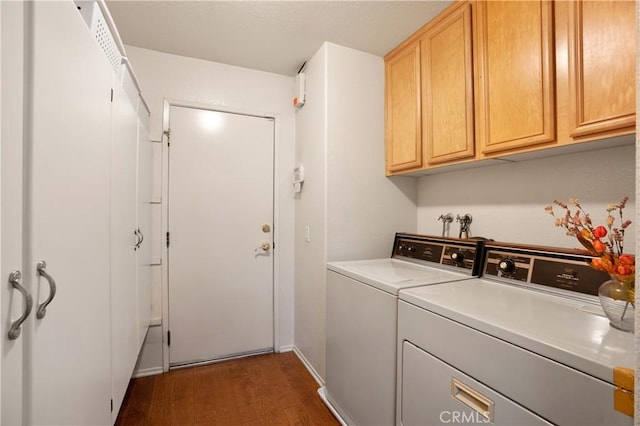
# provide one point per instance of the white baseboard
(323, 396)
(287, 348)
(158, 370)
(309, 367)
(147, 372)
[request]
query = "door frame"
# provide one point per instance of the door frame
(168, 103)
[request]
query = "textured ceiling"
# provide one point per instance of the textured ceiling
(272, 36)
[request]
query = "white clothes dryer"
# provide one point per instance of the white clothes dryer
(526, 344)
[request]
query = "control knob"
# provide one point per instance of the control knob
(506, 265)
(457, 256)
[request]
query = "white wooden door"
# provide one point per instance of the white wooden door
(220, 215)
(67, 222)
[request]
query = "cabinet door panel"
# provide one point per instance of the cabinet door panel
(514, 58)
(67, 221)
(11, 206)
(124, 302)
(447, 89)
(403, 138)
(601, 66)
(144, 223)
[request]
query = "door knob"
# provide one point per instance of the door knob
(264, 247)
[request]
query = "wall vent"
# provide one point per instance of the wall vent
(97, 24)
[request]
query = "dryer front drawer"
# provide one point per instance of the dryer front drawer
(560, 394)
(434, 393)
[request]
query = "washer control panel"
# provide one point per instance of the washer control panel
(453, 253)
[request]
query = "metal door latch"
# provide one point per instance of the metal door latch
(266, 246)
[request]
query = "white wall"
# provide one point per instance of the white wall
(310, 211)
(364, 208)
(507, 201)
(164, 76)
(351, 208)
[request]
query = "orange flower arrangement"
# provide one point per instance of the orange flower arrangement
(604, 242)
(608, 253)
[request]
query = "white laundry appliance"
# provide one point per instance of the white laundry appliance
(526, 344)
(362, 301)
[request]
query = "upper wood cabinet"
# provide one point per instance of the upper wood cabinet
(429, 94)
(601, 48)
(514, 54)
(493, 78)
(403, 139)
(447, 87)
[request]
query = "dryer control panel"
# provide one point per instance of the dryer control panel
(542, 267)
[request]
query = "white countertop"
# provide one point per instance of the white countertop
(571, 332)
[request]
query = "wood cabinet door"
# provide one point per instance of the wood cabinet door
(601, 66)
(515, 102)
(447, 88)
(402, 113)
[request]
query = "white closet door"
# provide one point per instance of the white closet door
(144, 223)
(68, 221)
(124, 302)
(11, 122)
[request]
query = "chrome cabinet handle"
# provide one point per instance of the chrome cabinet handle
(42, 308)
(14, 279)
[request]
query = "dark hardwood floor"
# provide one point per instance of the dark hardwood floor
(272, 389)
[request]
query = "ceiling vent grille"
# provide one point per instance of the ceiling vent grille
(97, 24)
(104, 38)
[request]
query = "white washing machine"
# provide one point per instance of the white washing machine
(526, 344)
(362, 307)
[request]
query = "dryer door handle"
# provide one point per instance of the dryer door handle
(472, 399)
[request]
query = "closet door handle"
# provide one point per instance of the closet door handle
(139, 237)
(42, 308)
(136, 246)
(14, 279)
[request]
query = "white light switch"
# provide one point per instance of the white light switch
(307, 233)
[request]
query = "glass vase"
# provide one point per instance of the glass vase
(617, 297)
